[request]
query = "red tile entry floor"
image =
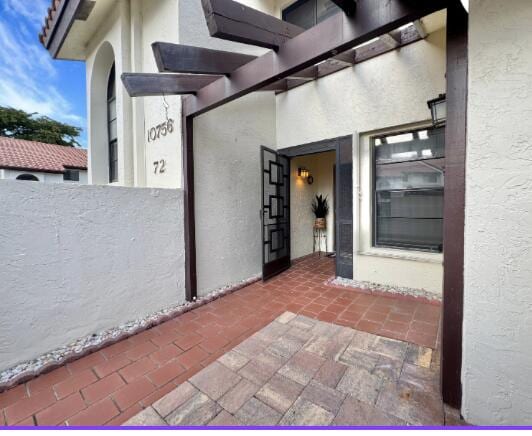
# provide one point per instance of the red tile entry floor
(111, 385)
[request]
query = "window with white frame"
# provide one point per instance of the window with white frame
(408, 190)
(308, 13)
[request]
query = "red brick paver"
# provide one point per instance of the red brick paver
(113, 384)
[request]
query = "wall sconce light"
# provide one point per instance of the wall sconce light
(438, 110)
(305, 174)
(302, 172)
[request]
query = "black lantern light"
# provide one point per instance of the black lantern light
(438, 110)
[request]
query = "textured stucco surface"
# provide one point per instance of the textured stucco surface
(227, 175)
(362, 101)
(497, 345)
(80, 259)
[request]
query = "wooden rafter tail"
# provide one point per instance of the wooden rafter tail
(392, 39)
(144, 84)
(420, 28)
(178, 58)
(348, 6)
(337, 34)
(233, 21)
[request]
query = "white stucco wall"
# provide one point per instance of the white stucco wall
(80, 259)
(321, 167)
(227, 174)
(43, 177)
(497, 351)
(362, 101)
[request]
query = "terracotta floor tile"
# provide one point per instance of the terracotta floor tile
(112, 365)
(75, 383)
(12, 396)
(137, 369)
(166, 373)
(26, 407)
(46, 381)
(133, 392)
(175, 350)
(102, 388)
(97, 414)
(61, 410)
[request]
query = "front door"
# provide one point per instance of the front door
(275, 213)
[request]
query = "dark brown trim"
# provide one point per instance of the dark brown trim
(148, 84)
(233, 21)
(454, 203)
(64, 21)
(179, 58)
(191, 283)
(337, 34)
(310, 148)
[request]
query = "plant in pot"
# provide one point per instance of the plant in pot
(320, 208)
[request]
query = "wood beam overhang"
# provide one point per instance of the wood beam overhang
(348, 6)
(233, 21)
(145, 84)
(335, 35)
(178, 58)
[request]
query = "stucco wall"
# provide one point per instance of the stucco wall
(43, 177)
(227, 174)
(497, 351)
(80, 259)
(321, 167)
(387, 93)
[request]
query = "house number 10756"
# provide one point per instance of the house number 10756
(159, 130)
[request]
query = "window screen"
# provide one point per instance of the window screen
(307, 13)
(408, 195)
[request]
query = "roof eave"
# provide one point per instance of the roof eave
(57, 25)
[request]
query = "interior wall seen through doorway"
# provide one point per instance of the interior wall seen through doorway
(321, 168)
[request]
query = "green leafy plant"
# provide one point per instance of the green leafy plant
(320, 206)
(18, 124)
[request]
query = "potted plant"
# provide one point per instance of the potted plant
(320, 208)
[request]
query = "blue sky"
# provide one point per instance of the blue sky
(29, 78)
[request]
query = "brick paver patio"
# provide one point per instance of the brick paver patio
(302, 371)
(113, 384)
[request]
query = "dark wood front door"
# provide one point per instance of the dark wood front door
(275, 213)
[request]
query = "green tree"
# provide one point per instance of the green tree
(15, 123)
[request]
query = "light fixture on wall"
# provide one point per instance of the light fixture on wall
(305, 174)
(438, 110)
(302, 172)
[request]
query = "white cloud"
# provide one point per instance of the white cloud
(28, 76)
(32, 10)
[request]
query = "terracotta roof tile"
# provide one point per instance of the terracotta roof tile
(49, 19)
(38, 156)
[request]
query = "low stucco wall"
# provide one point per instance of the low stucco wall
(497, 351)
(75, 260)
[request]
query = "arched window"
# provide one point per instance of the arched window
(111, 123)
(30, 177)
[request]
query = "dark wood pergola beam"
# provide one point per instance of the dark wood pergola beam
(146, 84)
(348, 6)
(178, 58)
(233, 21)
(335, 35)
